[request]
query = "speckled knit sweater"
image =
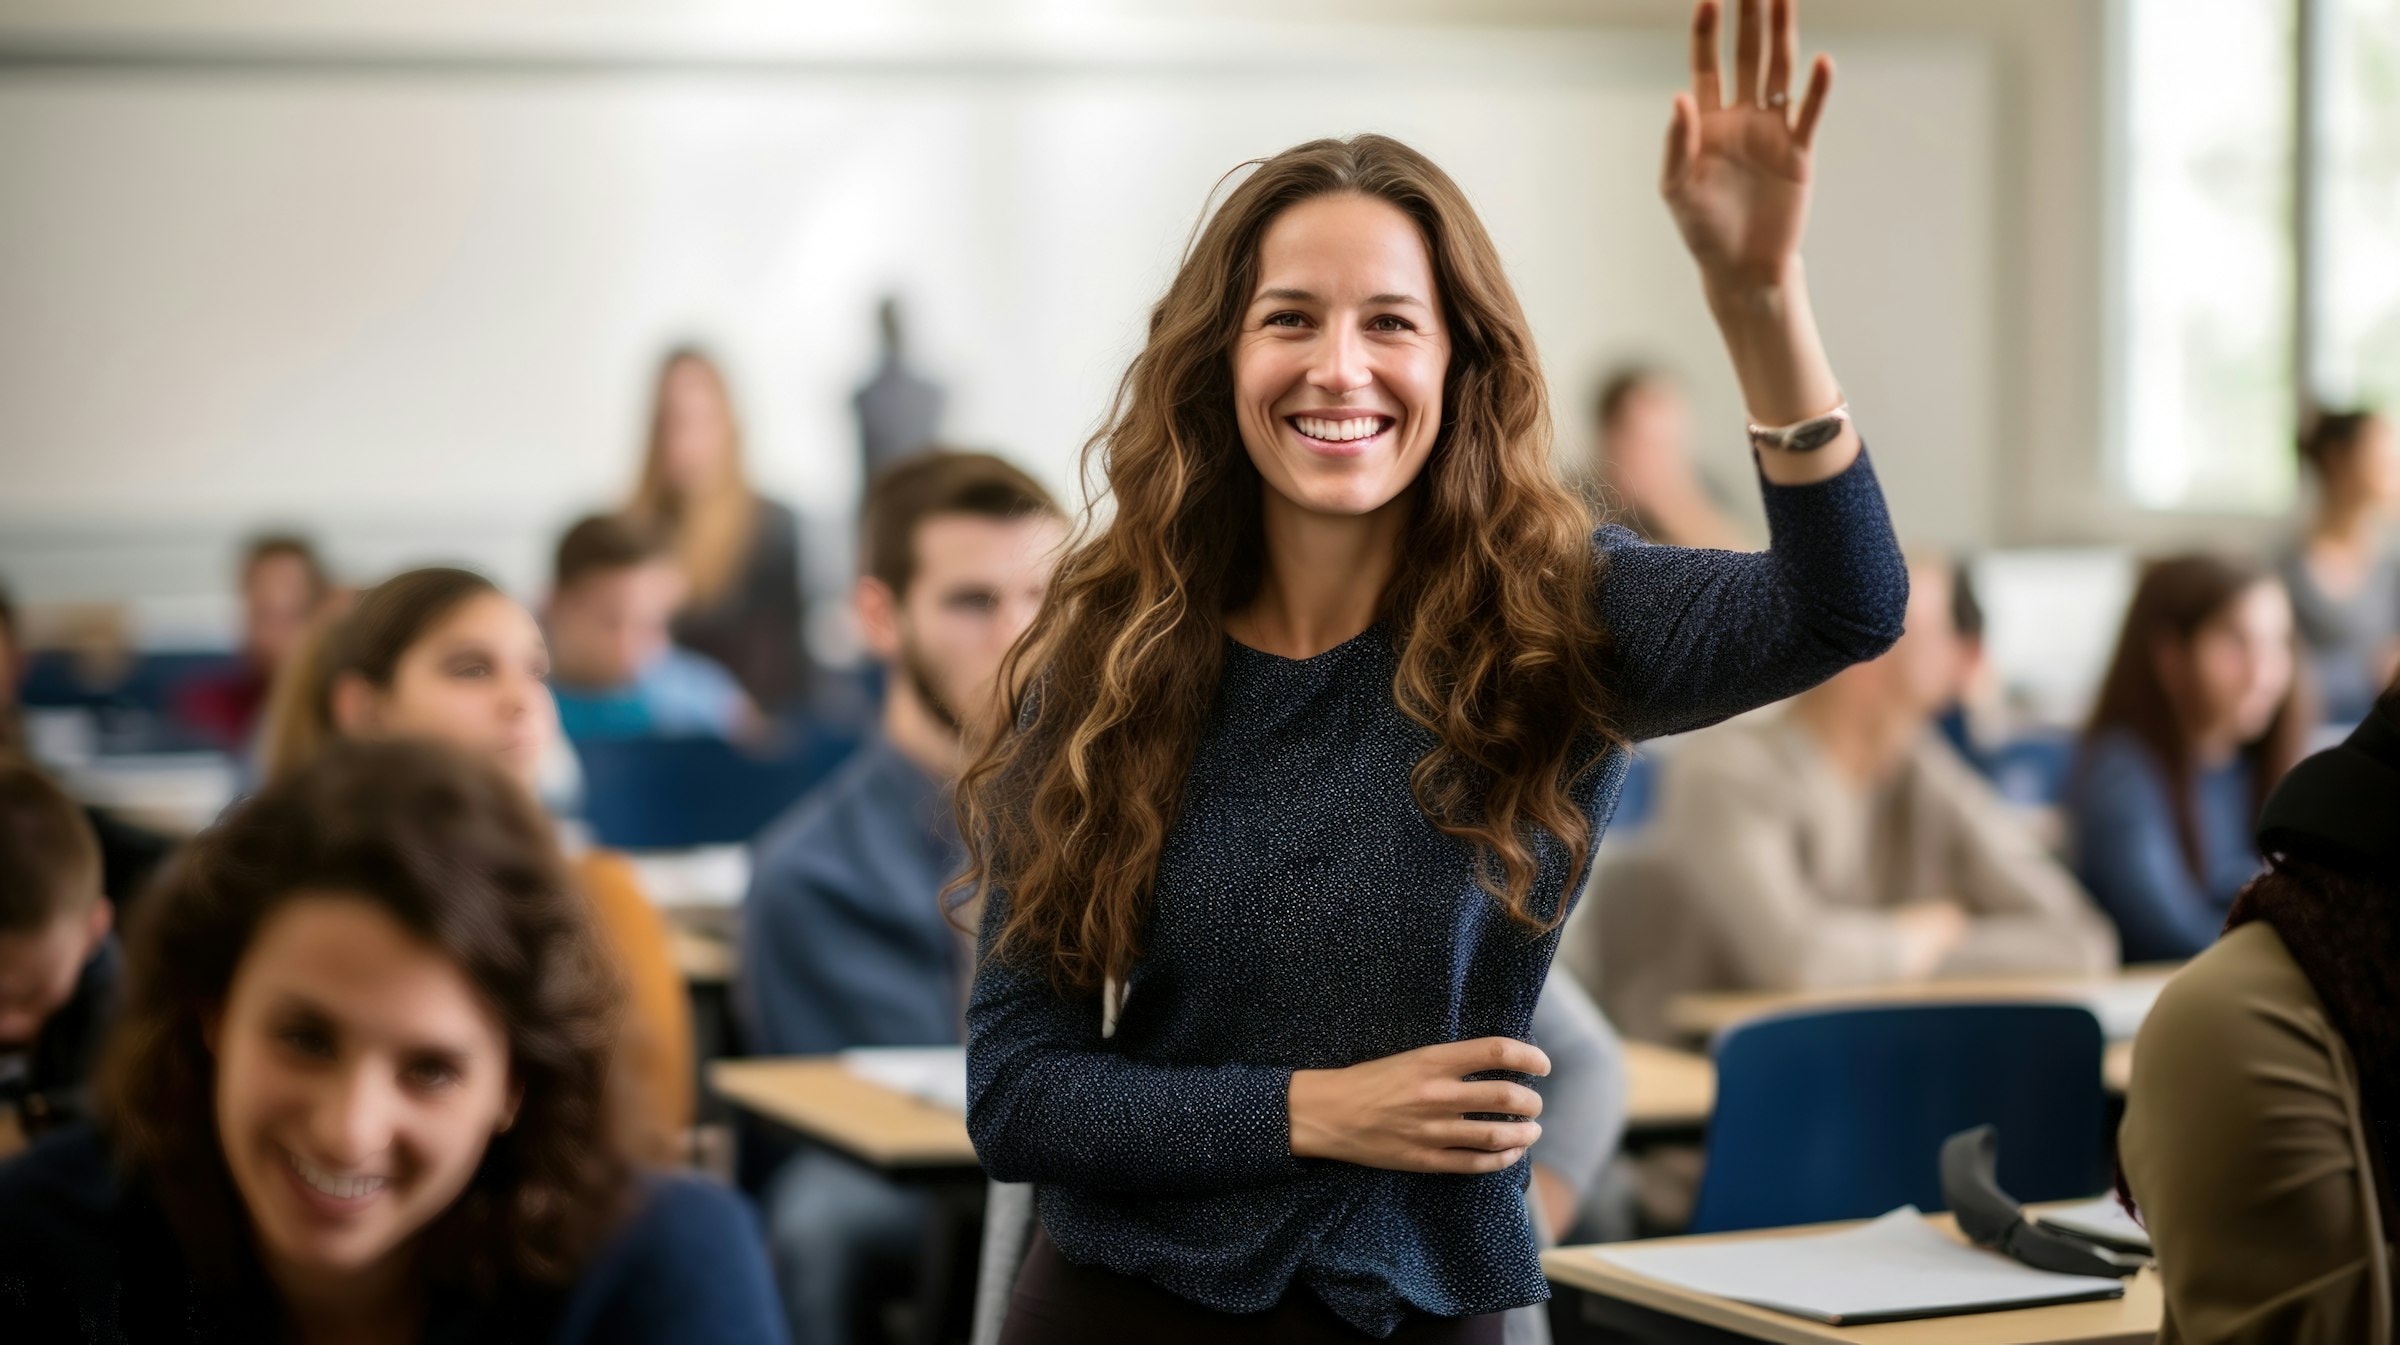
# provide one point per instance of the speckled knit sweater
(1308, 916)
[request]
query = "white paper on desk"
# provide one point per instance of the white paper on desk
(935, 1074)
(2104, 1220)
(1894, 1268)
(2121, 1006)
(704, 876)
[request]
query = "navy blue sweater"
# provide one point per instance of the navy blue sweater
(87, 1257)
(1308, 916)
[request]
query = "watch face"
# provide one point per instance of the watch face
(1815, 435)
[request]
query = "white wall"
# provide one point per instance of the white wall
(408, 291)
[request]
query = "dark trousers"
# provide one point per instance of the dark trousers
(1060, 1303)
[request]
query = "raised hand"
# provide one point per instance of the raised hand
(1738, 162)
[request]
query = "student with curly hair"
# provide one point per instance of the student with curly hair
(360, 1094)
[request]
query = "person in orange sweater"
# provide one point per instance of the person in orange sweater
(444, 654)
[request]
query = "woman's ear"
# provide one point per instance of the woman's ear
(212, 1026)
(508, 1110)
(353, 705)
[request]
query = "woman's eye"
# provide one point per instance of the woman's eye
(1388, 323)
(307, 1041)
(429, 1075)
(1284, 320)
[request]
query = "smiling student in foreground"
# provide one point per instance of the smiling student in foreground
(1313, 738)
(360, 1095)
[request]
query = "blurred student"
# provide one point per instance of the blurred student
(740, 551)
(1970, 664)
(2198, 716)
(2264, 1115)
(1839, 842)
(614, 668)
(58, 964)
(2343, 578)
(845, 941)
(129, 854)
(1645, 463)
(283, 587)
(442, 654)
(360, 1094)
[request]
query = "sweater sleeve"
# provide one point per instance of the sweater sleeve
(2128, 855)
(1700, 636)
(1049, 1100)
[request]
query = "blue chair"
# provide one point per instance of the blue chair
(1841, 1114)
(675, 793)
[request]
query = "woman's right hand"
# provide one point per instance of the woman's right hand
(1408, 1112)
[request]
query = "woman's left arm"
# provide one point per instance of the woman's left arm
(1701, 635)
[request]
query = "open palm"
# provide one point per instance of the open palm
(1738, 159)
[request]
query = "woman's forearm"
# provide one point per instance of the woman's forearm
(1770, 332)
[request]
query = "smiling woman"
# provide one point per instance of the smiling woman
(360, 1094)
(1314, 737)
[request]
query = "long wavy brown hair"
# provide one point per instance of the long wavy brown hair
(462, 857)
(2173, 601)
(1491, 612)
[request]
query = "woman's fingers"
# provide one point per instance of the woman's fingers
(1781, 52)
(1683, 142)
(1705, 84)
(1820, 83)
(1489, 1137)
(1749, 48)
(1496, 1096)
(1478, 1054)
(1467, 1161)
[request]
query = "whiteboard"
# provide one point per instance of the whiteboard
(417, 307)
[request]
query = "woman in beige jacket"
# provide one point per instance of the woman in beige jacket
(2266, 1091)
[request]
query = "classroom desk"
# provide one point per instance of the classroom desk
(822, 1101)
(2122, 995)
(702, 957)
(1667, 1089)
(1595, 1295)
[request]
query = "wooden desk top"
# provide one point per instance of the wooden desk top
(2131, 1320)
(1708, 1015)
(1667, 1089)
(816, 1096)
(822, 1100)
(704, 959)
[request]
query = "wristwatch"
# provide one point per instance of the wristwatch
(1802, 436)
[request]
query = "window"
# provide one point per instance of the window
(2355, 352)
(2210, 345)
(2209, 261)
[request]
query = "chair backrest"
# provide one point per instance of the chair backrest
(1841, 1113)
(674, 793)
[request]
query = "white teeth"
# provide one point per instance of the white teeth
(1339, 431)
(335, 1184)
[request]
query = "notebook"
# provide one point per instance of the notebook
(1896, 1268)
(935, 1074)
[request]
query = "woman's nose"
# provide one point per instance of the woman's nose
(351, 1121)
(1341, 364)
